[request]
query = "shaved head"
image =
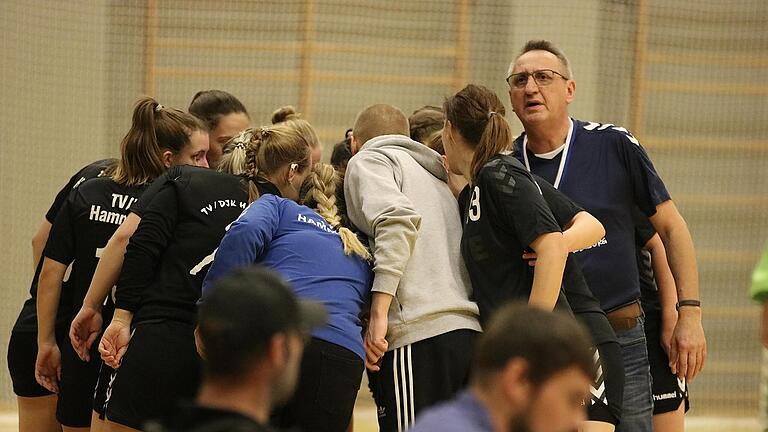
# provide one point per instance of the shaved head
(377, 120)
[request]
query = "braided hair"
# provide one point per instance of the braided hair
(319, 192)
(256, 153)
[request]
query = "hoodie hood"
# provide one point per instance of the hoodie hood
(426, 157)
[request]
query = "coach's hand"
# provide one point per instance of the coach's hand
(375, 343)
(48, 366)
(84, 330)
(688, 350)
(115, 340)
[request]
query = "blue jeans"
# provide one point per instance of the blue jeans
(637, 409)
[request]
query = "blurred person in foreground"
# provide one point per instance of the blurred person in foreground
(531, 371)
(252, 348)
(759, 292)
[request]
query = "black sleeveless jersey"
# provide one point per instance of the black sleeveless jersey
(169, 254)
(83, 227)
(27, 320)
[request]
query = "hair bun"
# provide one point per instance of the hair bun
(284, 114)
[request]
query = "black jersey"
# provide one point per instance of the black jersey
(502, 215)
(169, 254)
(158, 184)
(83, 227)
(27, 320)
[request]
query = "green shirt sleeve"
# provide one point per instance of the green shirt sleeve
(759, 288)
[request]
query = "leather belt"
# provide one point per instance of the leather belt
(625, 317)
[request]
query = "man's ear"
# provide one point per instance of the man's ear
(516, 382)
(277, 350)
(570, 91)
(354, 146)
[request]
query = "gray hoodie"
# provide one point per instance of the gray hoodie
(397, 194)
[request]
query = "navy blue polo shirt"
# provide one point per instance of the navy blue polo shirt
(609, 174)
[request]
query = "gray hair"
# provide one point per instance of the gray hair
(544, 45)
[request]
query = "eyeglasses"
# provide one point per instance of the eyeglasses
(542, 77)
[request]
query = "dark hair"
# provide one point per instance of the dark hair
(545, 45)
(425, 121)
(211, 105)
(478, 115)
(549, 341)
(342, 153)
(153, 128)
(240, 316)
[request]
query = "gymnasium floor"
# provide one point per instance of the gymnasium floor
(365, 420)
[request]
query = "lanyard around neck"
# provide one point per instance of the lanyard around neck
(563, 158)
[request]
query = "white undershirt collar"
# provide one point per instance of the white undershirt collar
(550, 155)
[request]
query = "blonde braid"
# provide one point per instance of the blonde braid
(320, 193)
(323, 192)
(251, 164)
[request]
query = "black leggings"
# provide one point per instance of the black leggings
(328, 384)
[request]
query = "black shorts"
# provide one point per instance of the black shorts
(668, 391)
(608, 388)
(325, 396)
(76, 389)
(22, 355)
(100, 393)
(160, 369)
(419, 375)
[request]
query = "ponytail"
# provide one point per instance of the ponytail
(319, 192)
(478, 115)
(154, 128)
(496, 138)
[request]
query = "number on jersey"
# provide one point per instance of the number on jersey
(474, 205)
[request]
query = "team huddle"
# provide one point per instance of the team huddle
(218, 276)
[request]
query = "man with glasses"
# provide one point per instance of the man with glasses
(605, 170)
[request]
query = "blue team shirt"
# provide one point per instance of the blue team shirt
(299, 244)
(610, 175)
